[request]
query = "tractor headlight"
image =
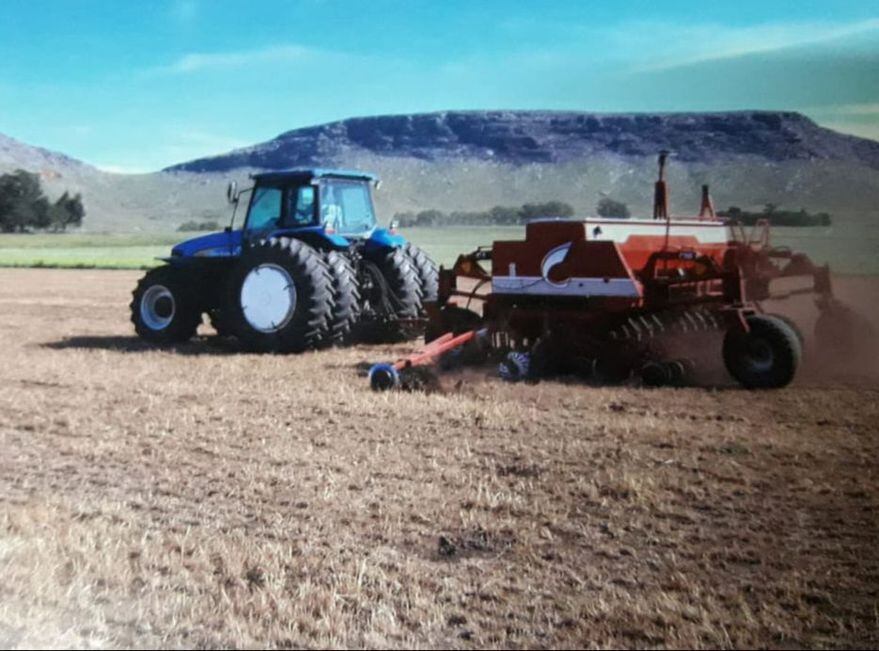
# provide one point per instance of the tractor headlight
(215, 252)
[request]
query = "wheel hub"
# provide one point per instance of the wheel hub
(268, 297)
(157, 307)
(760, 355)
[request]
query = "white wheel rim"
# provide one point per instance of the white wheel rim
(268, 297)
(157, 307)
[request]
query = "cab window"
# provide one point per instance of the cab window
(265, 209)
(346, 207)
(301, 208)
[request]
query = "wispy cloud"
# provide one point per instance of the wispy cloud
(173, 146)
(124, 169)
(675, 45)
(856, 110)
(195, 62)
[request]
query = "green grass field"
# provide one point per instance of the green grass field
(848, 250)
(137, 250)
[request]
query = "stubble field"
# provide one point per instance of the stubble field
(204, 497)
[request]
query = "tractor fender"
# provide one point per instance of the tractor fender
(382, 238)
(316, 237)
(224, 244)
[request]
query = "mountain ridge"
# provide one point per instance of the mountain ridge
(549, 137)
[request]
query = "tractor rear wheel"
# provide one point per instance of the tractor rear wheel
(280, 297)
(394, 297)
(767, 357)
(346, 297)
(164, 308)
(425, 268)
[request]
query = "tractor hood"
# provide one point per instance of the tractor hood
(215, 245)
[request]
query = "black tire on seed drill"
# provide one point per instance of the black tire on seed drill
(346, 297)
(183, 305)
(801, 339)
(428, 274)
(767, 357)
(307, 328)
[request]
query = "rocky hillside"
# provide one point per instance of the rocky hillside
(527, 137)
(16, 154)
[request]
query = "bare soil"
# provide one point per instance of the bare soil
(200, 496)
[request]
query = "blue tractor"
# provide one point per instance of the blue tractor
(310, 268)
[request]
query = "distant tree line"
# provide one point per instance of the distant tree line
(777, 217)
(198, 226)
(497, 216)
(24, 207)
(607, 207)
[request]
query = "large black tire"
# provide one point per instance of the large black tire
(428, 274)
(394, 298)
(308, 299)
(346, 297)
(801, 338)
(165, 307)
(767, 357)
(402, 279)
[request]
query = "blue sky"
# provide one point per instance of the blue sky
(136, 86)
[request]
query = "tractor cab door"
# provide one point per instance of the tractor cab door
(263, 213)
(276, 207)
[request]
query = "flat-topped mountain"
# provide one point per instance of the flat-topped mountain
(523, 137)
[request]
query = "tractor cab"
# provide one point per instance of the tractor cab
(331, 202)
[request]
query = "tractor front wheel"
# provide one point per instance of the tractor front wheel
(766, 357)
(164, 308)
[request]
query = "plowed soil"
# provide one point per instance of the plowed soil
(200, 496)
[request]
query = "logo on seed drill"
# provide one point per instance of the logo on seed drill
(551, 260)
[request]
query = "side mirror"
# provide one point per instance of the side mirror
(232, 192)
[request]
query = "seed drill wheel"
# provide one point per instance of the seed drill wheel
(164, 308)
(280, 297)
(794, 328)
(767, 357)
(611, 369)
